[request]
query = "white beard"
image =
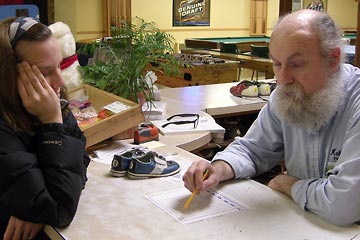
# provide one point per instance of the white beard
(309, 111)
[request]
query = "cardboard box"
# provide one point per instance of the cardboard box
(112, 125)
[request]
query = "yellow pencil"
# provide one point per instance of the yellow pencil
(206, 173)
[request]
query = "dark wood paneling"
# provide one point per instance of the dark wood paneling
(285, 6)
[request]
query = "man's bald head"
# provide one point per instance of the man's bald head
(312, 24)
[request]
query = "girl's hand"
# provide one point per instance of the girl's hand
(37, 96)
(19, 229)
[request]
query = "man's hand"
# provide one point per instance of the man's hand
(218, 171)
(19, 229)
(283, 183)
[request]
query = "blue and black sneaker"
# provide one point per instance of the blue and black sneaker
(151, 165)
(120, 162)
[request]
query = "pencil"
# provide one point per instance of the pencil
(206, 173)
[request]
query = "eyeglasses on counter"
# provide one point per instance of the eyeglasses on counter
(195, 121)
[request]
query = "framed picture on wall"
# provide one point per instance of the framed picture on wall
(191, 12)
(318, 5)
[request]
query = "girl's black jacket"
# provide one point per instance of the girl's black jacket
(42, 176)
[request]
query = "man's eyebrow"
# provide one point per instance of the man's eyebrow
(297, 54)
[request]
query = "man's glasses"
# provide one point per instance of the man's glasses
(195, 121)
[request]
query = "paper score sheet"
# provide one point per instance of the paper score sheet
(205, 205)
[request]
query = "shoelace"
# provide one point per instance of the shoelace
(139, 150)
(160, 156)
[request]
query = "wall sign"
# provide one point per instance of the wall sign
(191, 13)
(317, 5)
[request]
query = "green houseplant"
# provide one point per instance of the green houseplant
(121, 61)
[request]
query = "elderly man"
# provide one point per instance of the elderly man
(311, 122)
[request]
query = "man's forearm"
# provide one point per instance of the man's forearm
(283, 183)
(223, 169)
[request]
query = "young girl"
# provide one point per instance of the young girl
(42, 151)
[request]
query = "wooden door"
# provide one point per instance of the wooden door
(258, 16)
(117, 11)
